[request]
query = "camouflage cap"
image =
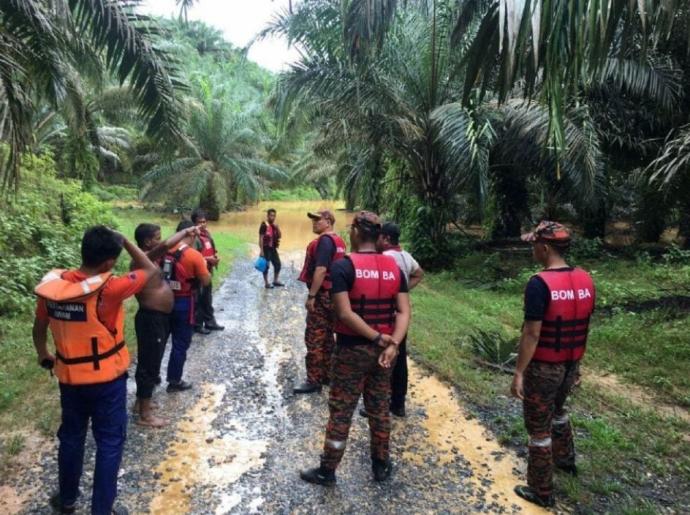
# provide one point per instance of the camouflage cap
(549, 232)
(324, 213)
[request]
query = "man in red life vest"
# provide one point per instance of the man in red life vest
(373, 309)
(269, 241)
(559, 302)
(321, 254)
(83, 309)
(204, 318)
(184, 268)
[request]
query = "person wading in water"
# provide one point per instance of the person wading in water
(321, 253)
(559, 302)
(152, 321)
(269, 241)
(373, 310)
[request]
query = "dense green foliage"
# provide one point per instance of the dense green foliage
(39, 231)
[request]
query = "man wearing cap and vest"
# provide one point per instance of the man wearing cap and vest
(185, 270)
(269, 241)
(372, 306)
(83, 309)
(152, 321)
(559, 302)
(205, 321)
(321, 254)
(389, 244)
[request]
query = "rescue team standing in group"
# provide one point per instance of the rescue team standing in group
(358, 314)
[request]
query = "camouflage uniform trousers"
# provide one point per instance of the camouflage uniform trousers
(318, 338)
(546, 387)
(356, 372)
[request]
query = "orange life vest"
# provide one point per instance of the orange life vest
(86, 351)
(307, 274)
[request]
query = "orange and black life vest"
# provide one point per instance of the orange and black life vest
(86, 351)
(565, 326)
(374, 292)
(307, 274)
(176, 275)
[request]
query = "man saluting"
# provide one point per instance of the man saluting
(373, 310)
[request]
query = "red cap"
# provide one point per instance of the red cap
(324, 213)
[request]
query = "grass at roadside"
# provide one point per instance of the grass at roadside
(28, 397)
(627, 452)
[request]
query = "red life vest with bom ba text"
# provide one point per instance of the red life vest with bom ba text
(180, 281)
(565, 326)
(307, 274)
(374, 293)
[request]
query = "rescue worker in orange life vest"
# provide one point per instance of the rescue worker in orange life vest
(321, 254)
(559, 302)
(373, 310)
(83, 309)
(190, 270)
(204, 319)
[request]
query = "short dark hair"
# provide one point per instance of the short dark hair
(392, 231)
(198, 213)
(145, 232)
(100, 244)
(561, 248)
(268, 212)
(184, 224)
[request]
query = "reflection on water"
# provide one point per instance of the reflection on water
(291, 218)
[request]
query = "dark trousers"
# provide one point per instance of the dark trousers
(105, 405)
(153, 329)
(271, 255)
(546, 388)
(181, 327)
(356, 372)
(318, 337)
(399, 377)
(204, 313)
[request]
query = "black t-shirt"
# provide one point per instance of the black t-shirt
(325, 250)
(537, 296)
(343, 278)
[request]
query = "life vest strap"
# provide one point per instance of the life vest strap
(563, 345)
(565, 323)
(566, 334)
(94, 357)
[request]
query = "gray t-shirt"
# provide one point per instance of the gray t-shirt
(408, 265)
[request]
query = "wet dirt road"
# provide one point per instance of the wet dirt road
(239, 438)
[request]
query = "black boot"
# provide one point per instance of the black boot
(398, 411)
(56, 504)
(214, 326)
(178, 387)
(382, 469)
(318, 476)
(530, 495)
(307, 388)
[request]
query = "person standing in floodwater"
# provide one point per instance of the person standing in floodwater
(321, 254)
(559, 302)
(373, 309)
(269, 241)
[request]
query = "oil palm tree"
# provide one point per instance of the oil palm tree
(46, 45)
(223, 162)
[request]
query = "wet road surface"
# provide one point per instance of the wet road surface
(237, 441)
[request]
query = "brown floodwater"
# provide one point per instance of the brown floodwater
(295, 226)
